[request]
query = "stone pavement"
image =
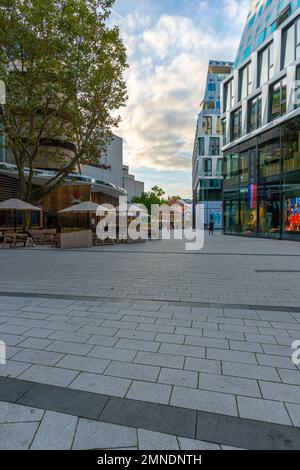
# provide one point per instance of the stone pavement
(156, 345)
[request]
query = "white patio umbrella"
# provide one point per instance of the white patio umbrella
(85, 207)
(18, 205)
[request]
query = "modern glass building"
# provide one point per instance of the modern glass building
(207, 157)
(261, 126)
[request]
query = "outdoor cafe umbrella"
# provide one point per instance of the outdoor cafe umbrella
(17, 205)
(85, 207)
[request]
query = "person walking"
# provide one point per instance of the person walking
(211, 225)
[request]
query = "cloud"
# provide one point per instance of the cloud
(168, 58)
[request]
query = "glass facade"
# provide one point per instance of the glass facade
(262, 184)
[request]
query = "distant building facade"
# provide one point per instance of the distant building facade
(207, 155)
(261, 126)
(133, 187)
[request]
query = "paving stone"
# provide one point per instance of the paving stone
(68, 347)
(263, 410)
(12, 413)
(250, 371)
(167, 338)
(137, 345)
(56, 432)
(17, 436)
(203, 365)
(150, 416)
(150, 392)
(34, 356)
(157, 359)
(182, 350)
(81, 363)
(260, 339)
(239, 313)
(175, 322)
(182, 378)
(192, 444)
(49, 375)
(207, 342)
(67, 336)
(149, 440)
(134, 334)
(133, 371)
(15, 330)
(188, 331)
(231, 356)
(13, 368)
(278, 350)
(245, 346)
(113, 354)
(224, 334)
(280, 392)
(65, 400)
(246, 433)
(294, 412)
(103, 384)
(203, 400)
(11, 340)
(275, 361)
(234, 385)
(119, 324)
(156, 328)
(39, 332)
(100, 331)
(102, 340)
(35, 343)
(289, 376)
(92, 435)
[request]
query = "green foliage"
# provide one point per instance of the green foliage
(63, 68)
(155, 196)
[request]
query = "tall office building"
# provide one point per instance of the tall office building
(207, 157)
(261, 125)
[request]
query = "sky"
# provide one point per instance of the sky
(169, 44)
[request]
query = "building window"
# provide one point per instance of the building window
(224, 131)
(214, 146)
(219, 171)
(291, 145)
(297, 89)
(269, 158)
(207, 124)
(278, 99)
(218, 127)
(255, 113)
(207, 167)
(291, 44)
(236, 124)
(201, 146)
(266, 64)
(245, 82)
(231, 168)
(244, 167)
(229, 93)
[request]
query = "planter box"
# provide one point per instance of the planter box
(83, 239)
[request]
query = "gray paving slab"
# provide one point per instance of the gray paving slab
(103, 384)
(133, 371)
(56, 432)
(233, 385)
(250, 371)
(49, 375)
(12, 413)
(137, 345)
(113, 354)
(231, 356)
(182, 350)
(11, 390)
(290, 376)
(65, 400)
(17, 436)
(204, 400)
(149, 392)
(280, 392)
(34, 356)
(82, 363)
(294, 413)
(179, 377)
(150, 416)
(192, 444)
(69, 347)
(92, 435)
(263, 410)
(149, 440)
(157, 359)
(203, 365)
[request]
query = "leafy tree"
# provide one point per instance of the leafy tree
(63, 68)
(155, 196)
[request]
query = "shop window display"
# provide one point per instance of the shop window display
(292, 214)
(248, 210)
(269, 210)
